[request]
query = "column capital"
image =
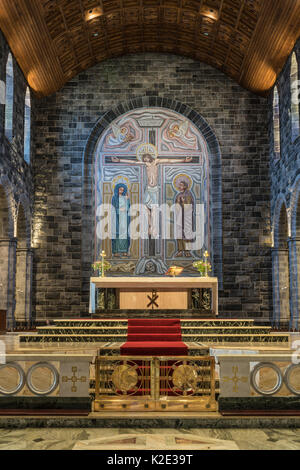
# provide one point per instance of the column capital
(8, 241)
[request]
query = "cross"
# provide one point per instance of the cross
(235, 379)
(74, 379)
(153, 299)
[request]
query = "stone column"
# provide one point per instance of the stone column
(7, 278)
(23, 286)
(276, 296)
(294, 255)
(284, 285)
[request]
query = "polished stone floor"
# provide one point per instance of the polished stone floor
(149, 439)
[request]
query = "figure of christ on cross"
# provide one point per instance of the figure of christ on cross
(151, 195)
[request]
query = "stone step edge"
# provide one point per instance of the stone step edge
(54, 327)
(275, 335)
(125, 320)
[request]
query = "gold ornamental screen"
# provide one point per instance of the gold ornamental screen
(136, 383)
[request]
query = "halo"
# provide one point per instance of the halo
(120, 179)
(146, 148)
(182, 177)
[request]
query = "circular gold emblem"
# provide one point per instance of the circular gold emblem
(185, 378)
(125, 378)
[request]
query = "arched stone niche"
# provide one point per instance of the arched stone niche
(177, 132)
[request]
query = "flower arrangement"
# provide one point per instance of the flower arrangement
(97, 266)
(203, 267)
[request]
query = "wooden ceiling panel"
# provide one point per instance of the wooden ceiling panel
(53, 40)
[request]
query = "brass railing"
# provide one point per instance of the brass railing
(136, 383)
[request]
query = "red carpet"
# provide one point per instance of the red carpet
(154, 337)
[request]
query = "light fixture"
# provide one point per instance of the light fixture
(93, 13)
(209, 12)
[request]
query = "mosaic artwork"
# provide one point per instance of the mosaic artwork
(158, 160)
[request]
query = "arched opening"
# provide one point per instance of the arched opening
(295, 97)
(283, 268)
(9, 98)
(152, 157)
(27, 126)
(148, 125)
(276, 124)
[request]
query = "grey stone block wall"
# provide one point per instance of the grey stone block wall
(17, 182)
(285, 191)
(64, 122)
(284, 171)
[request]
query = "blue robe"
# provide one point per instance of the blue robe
(121, 221)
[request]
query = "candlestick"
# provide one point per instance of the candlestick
(206, 255)
(103, 255)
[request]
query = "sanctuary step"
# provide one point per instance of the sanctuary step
(157, 341)
(193, 330)
(155, 313)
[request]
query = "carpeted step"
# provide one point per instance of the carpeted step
(153, 348)
(154, 322)
(152, 329)
(154, 337)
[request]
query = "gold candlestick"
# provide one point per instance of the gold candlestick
(103, 255)
(206, 255)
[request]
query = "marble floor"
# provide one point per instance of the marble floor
(149, 439)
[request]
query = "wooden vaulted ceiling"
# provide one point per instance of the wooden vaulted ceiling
(53, 40)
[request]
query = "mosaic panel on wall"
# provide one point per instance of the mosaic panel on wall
(158, 159)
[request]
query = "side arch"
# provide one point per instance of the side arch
(282, 311)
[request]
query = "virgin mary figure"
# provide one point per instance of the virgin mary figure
(120, 221)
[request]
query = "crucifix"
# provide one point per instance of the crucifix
(147, 156)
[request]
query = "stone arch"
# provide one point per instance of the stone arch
(295, 252)
(281, 268)
(88, 190)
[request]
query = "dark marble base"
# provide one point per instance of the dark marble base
(259, 403)
(215, 421)
(45, 403)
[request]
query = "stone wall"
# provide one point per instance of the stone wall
(285, 170)
(16, 183)
(285, 191)
(64, 122)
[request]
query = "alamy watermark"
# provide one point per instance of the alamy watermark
(2, 353)
(296, 354)
(141, 221)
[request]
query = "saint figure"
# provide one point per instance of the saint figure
(120, 221)
(184, 223)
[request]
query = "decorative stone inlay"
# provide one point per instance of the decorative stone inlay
(74, 379)
(235, 379)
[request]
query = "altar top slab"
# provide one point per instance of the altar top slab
(155, 282)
